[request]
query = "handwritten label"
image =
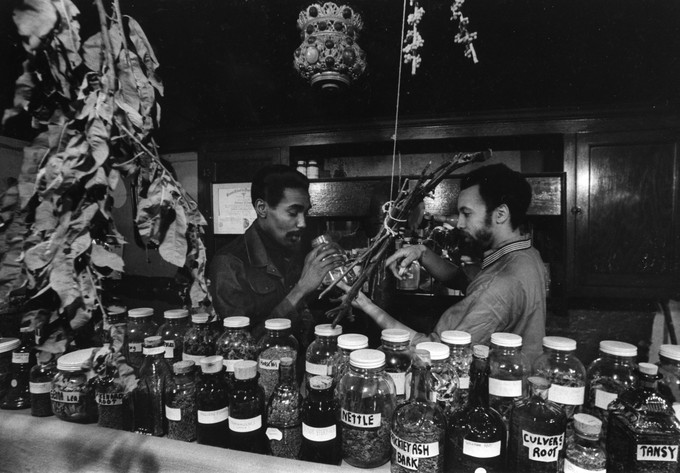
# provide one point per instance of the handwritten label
(40, 388)
(569, 467)
(464, 382)
(269, 364)
(314, 369)
(134, 347)
(169, 348)
(399, 381)
(657, 453)
(174, 413)
(319, 434)
(408, 453)
(543, 448)
(603, 398)
(213, 417)
(20, 358)
(567, 395)
(274, 434)
(67, 397)
(245, 425)
(505, 388)
(481, 449)
(109, 399)
(363, 421)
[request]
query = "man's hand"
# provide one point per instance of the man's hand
(403, 257)
(317, 263)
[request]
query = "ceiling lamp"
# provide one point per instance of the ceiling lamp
(329, 56)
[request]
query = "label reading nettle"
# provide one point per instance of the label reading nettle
(134, 347)
(362, 421)
(20, 358)
(314, 369)
(567, 395)
(464, 382)
(407, 453)
(269, 364)
(399, 381)
(569, 467)
(657, 453)
(67, 397)
(319, 434)
(481, 449)
(245, 425)
(213, 417)
(543, 448)
(603, 398)
(505, 388)
(169, 348)
(173, 413)
(109, 399)
(40, 388)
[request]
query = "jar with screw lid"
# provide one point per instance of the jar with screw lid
(508, 373)
(445, 376)
(460, 349)
(18, 395)
(320, 353)
(277, 342)
(236, 344)
(669, 369)
(212, 404)
(7, 346)
(347, 343)
(199, 339)
(149, 395)
(140, 325)
(336, 273)
(180, 403)
(247, 411)
(40, 385)
(395, 344)
(321, 441)
(172, 332)
(71, 395)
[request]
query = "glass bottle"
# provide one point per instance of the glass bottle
(180, 403)
(410, 276)
(584, 451)
(419, 425)
(537, 431)
(277, 342)
(508, 372)
(319, 356)
(247, 410)
(40, 385)
(199, 340)
(477, 432)
(172, 332)
(460, 348)
(367, 402)
(446, 379)
(284, 426)
(396, 346)
(567, 375)
(114, 406)
(335, 273)
(7, 347)
(321, 435)
(347, 343)
(609, 375)
(669, 369)
(23, 359)
(235, 344)
(140, 325)
(71, 395)
(643, 433)
(212, 404)
(149, 395)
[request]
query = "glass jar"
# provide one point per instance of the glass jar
(445, 377)
(212, 404)
(236, 344)
(460, 348)
(277, 342)
(584, 451)
(319, 356)
(301, 167)
(284, 428)
(347, 343)
(396, 346)
(537, 431)
(149, 395)
(180, 403)
(567, 375)
(113, 404)
(508, 372)
(40, 385)
(335, 273)
(115, 327)
(669, 369)
(247, 410)
(419, 425)
(172, 332)
(321, 442)
(7, 346)
(18, 395)
(410, 276)
(643, 433)
(367, 401)
(609, 375)
(140, 325)
(199, 339)
(71, 395)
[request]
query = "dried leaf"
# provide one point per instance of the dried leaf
(45, 218)
(69, 32)
(35, 19)
(173, 247)
(103, 258)
(38, 257)
(144, 51)
(62, 278)
(97, 137)
(93, 53)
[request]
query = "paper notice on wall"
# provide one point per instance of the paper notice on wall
(233, 210)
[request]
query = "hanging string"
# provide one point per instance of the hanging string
(396, 112)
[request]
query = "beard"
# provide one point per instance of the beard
(477, 243)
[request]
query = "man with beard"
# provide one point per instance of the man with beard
(508, 294)
(263, 274)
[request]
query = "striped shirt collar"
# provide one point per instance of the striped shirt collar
(504, 250)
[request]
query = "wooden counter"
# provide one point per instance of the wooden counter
(48, 444)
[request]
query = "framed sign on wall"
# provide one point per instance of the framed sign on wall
(233, 211)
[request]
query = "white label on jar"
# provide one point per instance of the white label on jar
(505, 388)
(399, 381)
(603, 398)
(109, 399)
(195, 358)
(72, 397)
(657, 453)
(245, 425)
(481, 449)
(569, 467)
(274, 434)
(20, 358)
(175, 413)
(314, 369)
(363, 421)
(14, 383)
(269, 364)
(134, 347)
(169, 348)
(213, 417)
(40, 388)
(568, 395)
(230, 364)
(543, 448)
(319, 434)
(464, 382)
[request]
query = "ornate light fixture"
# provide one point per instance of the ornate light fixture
(329, 56)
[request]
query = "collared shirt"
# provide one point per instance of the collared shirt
(507, 295)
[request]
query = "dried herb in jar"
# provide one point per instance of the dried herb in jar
(284, 427)
(180, 407)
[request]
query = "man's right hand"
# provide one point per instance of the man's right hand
(317, 263)
(403, 257)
